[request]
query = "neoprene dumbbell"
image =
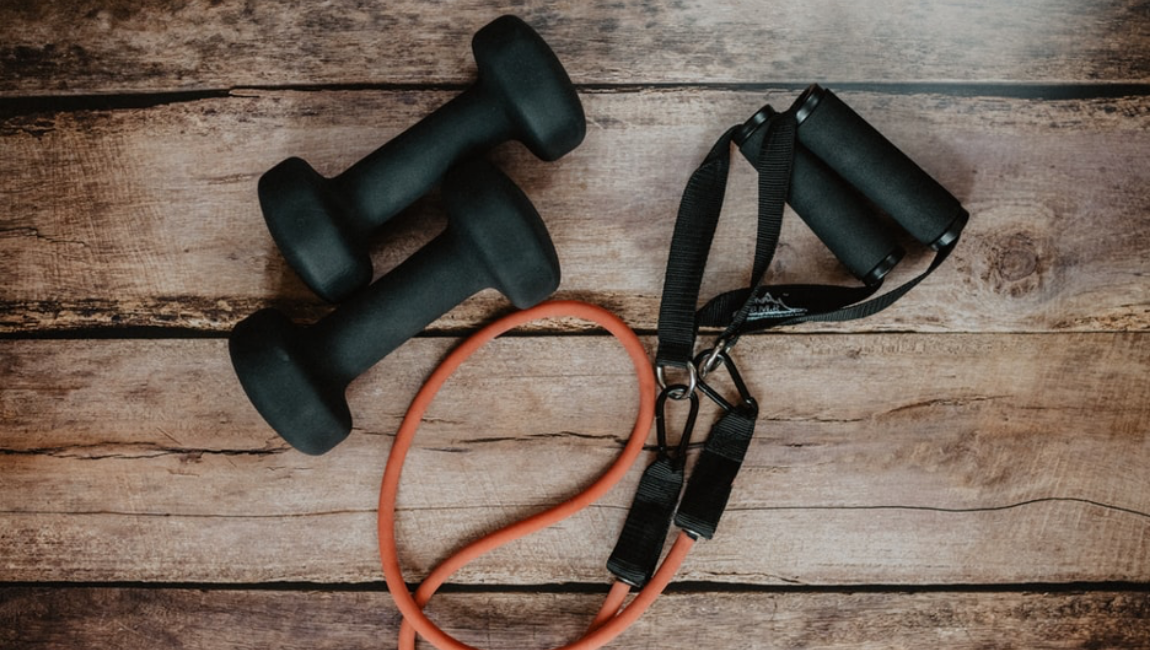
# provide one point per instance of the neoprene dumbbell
(522, 93)
(296, 377)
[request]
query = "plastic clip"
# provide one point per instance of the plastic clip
(676, 392)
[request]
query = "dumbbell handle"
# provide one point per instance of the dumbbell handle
(396, 307)
(417, 158)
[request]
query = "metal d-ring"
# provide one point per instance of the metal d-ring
(683, 392)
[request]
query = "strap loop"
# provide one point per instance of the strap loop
(714, 474)
(698, 216)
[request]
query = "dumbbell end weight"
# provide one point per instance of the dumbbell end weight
(505, 233)
(305, 218)
(302, 404)
(516, 65)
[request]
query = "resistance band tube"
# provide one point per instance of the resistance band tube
(611, 620)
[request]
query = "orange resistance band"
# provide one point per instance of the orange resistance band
(611, 620)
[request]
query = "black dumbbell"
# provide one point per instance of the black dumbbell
(522, 93)
(296, 377)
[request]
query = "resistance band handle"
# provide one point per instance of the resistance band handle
(714, 474)
(833, 209)
(644, 534)
(860, 154)
(839, 155)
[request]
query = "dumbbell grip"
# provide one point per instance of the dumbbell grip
(397, 306)
(413, 161)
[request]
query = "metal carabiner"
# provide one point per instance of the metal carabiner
(713, 358)
(679, 457)
(708, 360)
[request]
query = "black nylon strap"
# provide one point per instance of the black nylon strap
(641, 542)
(774, 304)
(871, 307)
(690, 245)
(695, 226)
(714, 474)
(777, 305)
(775, 159)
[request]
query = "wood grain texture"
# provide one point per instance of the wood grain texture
(45, 618)
(982, 445)
(106, 46)
(880, 459)
(148, 216)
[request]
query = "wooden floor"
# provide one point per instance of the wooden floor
(969, 469)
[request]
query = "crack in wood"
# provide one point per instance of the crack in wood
(941, 402)
(19, 106)
(503, 506)
(185, 515)
(943, 509)
(150, 450)
(550, 435)
(29, 231)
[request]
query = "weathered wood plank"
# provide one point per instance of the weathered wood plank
(148, 217)
(890, 459)
(107, 46)
(46, 618)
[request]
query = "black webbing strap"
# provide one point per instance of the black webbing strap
(636, 553)
(751, 310)
(690, 244)
(695, 226)
(713, 476)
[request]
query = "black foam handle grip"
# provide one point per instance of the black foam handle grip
(862, 156)
(831, 208)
